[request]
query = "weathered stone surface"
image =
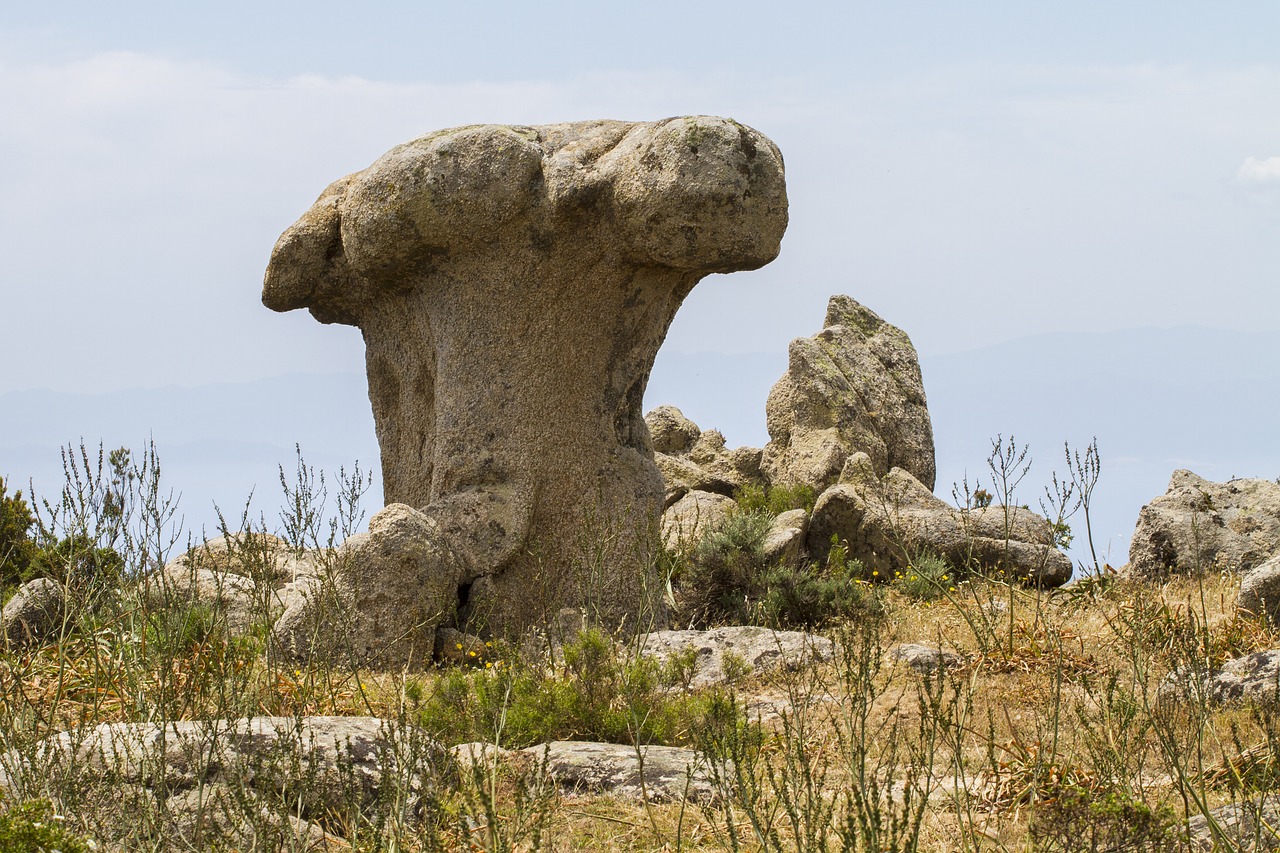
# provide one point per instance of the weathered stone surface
(260, 556)
(513, 285)
(1260, 591)
(690, 518)
(233, 596)
(1254, 677)
(389, 591)
(923, 658)
(784, 543)
(1251, 826)
(672, 433)
(221, 776)
(760, 649)
(886, 520)
(680, 476)
(853, 387)
(1200, 526)
(670, 773)
(35, 612)
(482, 753)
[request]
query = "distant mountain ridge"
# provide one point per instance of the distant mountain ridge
(1157, 399)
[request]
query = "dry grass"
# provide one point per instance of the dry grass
(1049, 726)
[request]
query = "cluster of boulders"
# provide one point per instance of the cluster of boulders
(848, 422)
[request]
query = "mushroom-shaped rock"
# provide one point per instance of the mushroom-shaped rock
(513, 285)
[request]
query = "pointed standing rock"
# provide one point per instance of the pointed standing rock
(853, 387)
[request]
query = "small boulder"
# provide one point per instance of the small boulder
(885, 521)
(235, 597)
(784, 543)
(758, 649)
(35, 612)
(671, 774)
(1198, 526)
(924, 658)
(672, 433)
(1260, 591)
(853, 387)
(689, 519)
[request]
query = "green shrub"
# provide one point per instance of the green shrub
(78, 562)
(33, 827)
(601, 692)
(17, 549)
(774, 500)
(927, 577)
(723, 581)
(1079, 820)
(809, 597)
(729, 581)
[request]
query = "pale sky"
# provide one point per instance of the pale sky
(973, 172)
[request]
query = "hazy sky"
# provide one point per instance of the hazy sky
(972, 171)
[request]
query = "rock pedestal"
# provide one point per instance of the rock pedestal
(513, 285)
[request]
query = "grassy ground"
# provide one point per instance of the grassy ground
(1047, 731)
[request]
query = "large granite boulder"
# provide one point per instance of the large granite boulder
(886, 521)
(513, 285)
(853, 387)
(1198, 526)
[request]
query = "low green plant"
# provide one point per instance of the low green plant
(1081, 821)
(17, 548)
(601, 691)
(774, 500)
(728, 580)
(926, 577)
(34, 827)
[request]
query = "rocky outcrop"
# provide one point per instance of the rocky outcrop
(235, 780)
(886, 521)
(1198, 526)
(35, 612)
(691, 459)
(853, 387)
(755, 649)
(512, 285)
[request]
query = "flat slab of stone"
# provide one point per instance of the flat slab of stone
(1252, 826)
(231, 777)
(670, 773)
(924, 658)
(759, 648)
